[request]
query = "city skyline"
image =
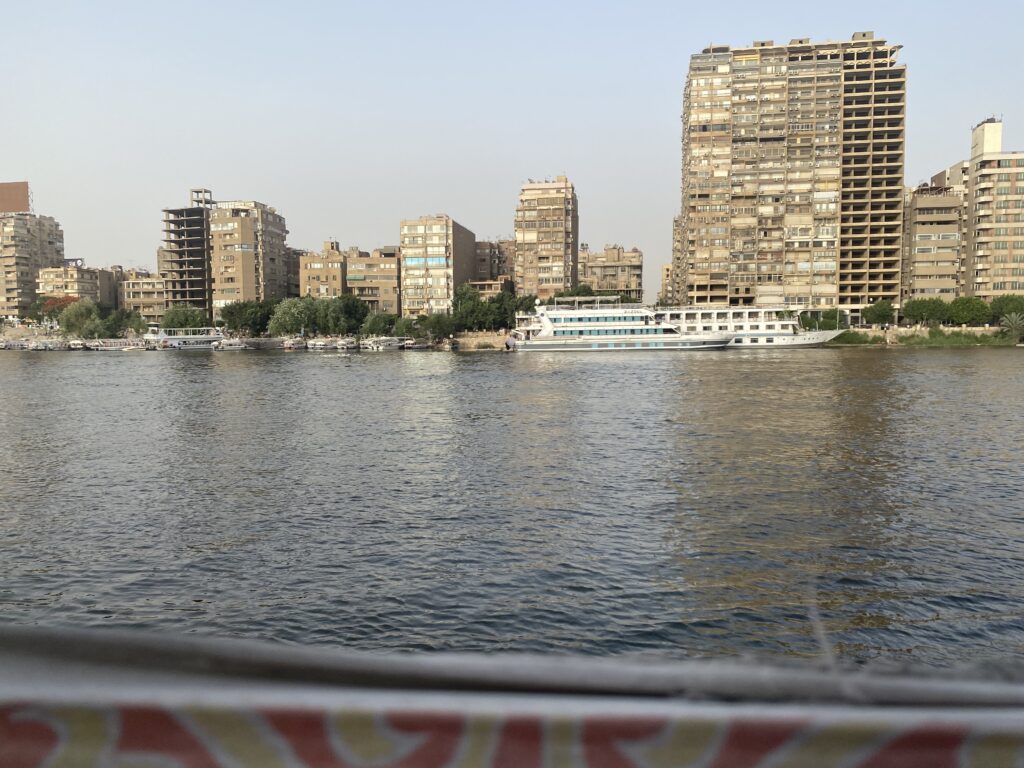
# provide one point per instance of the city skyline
(392, 119)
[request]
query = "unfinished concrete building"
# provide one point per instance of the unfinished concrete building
(184, 258)
(28, 243)
(792, 183)
(547, 238)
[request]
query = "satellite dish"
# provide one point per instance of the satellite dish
(536, 302)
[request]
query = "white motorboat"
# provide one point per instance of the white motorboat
(230, 345)
(752, 326)
(600, 324)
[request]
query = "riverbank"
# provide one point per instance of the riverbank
(920, 336)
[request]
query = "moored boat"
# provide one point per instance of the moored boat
(230, 345)
(598, 323)
(774, 327)
(182, 338)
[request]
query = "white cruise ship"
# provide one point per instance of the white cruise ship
(560, 328)
(752, 327)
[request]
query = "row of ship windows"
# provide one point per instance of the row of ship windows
(609, 319)
(614, 332)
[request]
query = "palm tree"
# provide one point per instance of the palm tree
(1013, 324)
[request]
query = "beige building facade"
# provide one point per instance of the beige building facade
(142, 292)
(28, 243)
(666, 297)
(613, 270)
(98, 285)
(322, 275)
(792, 183)
(995, 215)
(248, 255)
(437, 256)
(376, 278)
(933, 243)
(547, 238)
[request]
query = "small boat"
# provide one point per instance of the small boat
(230, 345)
(417, 344)
(294, 344)
(77, 345)
(348, 343)
(321, 345)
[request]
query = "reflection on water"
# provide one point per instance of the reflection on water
(681, 504)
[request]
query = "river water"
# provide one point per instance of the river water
(701, 504)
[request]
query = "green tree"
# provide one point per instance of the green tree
(406, 326)
(830, 320)
(1013, 325)
(184, 316)
(378, 324)
(437, 326)
(926, 311)
(120, 321)
(878, 313)
(969, 310)
(81, 319)
(1005, 305)
(293, 316)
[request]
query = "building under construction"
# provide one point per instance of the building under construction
(184, 259)
(792, 178)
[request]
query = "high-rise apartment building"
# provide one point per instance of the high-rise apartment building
(613, 270)
(995, 215)
(28, 243)
(322, 275)
(376, 278)
(792, 183)
(547, 238)
(248, 255)
(184, 258)
(495, 259)
(933, 252)
(215, 253)
(438, 255)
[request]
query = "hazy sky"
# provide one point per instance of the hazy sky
(348, 117)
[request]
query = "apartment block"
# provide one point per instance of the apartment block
(74, 279)
(613, 270)
(995, 215)
(376, 278)
(666, 297)
(437, 255)
(933, 242)
(547, 238)
(248, 255)
(15, 197)
(322, 275)
(142, 292)
(489, 289)
(792, 178)
(28, 243)
(494, 259)
(184, 258)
